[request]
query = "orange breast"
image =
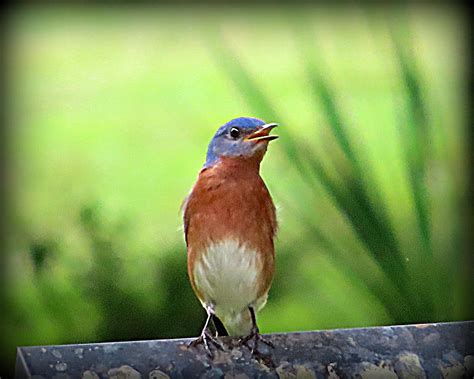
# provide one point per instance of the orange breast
(230, 201)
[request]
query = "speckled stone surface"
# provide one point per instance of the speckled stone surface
(442, 350)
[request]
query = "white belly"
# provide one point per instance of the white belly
(227, 275)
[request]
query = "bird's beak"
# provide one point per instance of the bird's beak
(262, 134)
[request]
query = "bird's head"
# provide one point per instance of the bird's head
(242, 137)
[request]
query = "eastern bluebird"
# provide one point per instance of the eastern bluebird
(229, 225)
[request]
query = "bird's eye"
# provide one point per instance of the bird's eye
(235, 133)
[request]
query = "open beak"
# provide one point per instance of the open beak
(262, 134)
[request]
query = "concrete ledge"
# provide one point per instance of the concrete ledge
(439, 350)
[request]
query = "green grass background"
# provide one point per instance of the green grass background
(110, 113)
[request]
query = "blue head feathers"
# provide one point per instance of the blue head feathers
(233, 139)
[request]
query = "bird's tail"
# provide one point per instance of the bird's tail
(238, 324)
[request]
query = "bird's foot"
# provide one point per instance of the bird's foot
(256, 337)
(206, 340)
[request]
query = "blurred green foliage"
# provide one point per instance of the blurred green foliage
(111, 110)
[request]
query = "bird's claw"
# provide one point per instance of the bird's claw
(257, 337)
(205, 338)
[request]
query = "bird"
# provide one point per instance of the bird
(230, 226)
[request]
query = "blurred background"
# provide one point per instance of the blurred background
(110, 110)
